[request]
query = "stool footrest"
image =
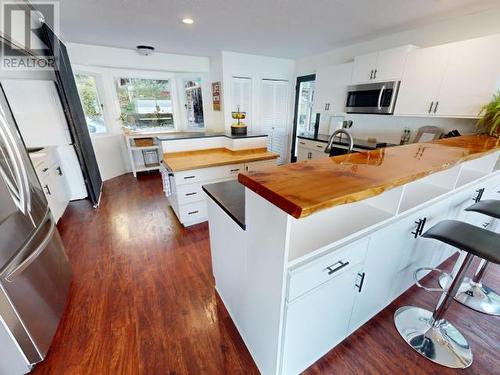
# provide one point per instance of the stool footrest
(432, 269)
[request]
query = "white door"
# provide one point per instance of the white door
(274, 116)
(471, 78)
(364, 67)
(241, 96)
(317, 321)
(391, 63)
(421, 81)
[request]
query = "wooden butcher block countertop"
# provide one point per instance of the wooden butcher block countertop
(301, 189)
(213, 157)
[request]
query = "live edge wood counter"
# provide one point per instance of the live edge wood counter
(301, 189)
(214, 157)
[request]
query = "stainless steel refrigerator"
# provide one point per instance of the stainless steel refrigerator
(34, 271)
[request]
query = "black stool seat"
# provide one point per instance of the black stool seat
(490, 207)
(474, 240)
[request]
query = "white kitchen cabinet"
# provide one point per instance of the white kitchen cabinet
(256, 166)
(450, 80)
(472, 76)
(386, 65)
(309, 150)
(318, 320)
(363, 68)
(421, 81)
(331, 90)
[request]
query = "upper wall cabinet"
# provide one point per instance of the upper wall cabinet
(451, 80)
(385, 65)
(331, 90)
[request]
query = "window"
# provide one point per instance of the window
(92, 107)
(145, 104)
(193, 103)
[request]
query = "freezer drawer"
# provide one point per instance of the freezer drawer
(36, 285)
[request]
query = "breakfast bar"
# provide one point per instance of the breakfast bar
(313, 262)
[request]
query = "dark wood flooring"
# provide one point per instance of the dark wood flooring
(143, 302)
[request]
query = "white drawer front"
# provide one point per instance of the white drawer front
(311, 275)
(312, 145)
(189, 193)
(208, 174)
(193, 212)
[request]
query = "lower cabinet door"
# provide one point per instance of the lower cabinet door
(318, 321)
(383, 261)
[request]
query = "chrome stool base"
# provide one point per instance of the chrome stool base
(442, 344)
(476, 296)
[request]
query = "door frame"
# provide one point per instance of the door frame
(300, 79)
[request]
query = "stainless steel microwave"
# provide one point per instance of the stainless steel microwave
(375, 98)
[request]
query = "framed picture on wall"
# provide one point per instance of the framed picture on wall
(216, 93)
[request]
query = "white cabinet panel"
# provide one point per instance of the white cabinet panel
(421, 81)
(391, 63)
(318, 321)
(241, 95)
(363, 68)
(41, 122)
(471, 77)
(331, 90)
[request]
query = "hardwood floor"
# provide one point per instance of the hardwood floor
(143, 302)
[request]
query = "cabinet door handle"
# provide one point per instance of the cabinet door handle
(486, 224)
(479, 195)
(309, 155)
(319, 146)
(371, 74)
(375, 74)
(47, 190)
(192, 212)
(336, 267)
(234, 170)
(420, 227)
(59, 171)
(189, 177)
(188, 194)
(302, 143)
(436, 107)
(430, 108)
(361, 282)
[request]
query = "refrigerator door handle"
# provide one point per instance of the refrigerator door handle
(32, 257)
(23, 199)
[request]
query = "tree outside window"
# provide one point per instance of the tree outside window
(87, 89)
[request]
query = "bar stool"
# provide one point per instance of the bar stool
(472, 293)
(428, 332)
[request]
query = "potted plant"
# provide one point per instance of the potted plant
(489, 117)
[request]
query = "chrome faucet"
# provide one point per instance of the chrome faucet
(337, 132)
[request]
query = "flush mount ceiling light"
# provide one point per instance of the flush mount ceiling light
(145, 50)
(187, 21)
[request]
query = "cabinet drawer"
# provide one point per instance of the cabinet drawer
(312, 145)
(193, 212)
(189, 193)
(208, 174)
(309, 276)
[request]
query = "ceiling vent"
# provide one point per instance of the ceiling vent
(145, 50)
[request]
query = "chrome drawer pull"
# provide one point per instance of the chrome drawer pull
(189, 177)
(188, 194)
(336, 267)
(234, 170)
(192, 212)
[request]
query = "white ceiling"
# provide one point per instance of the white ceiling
(281, 28)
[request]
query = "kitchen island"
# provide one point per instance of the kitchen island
(191, 160)
(313, 262)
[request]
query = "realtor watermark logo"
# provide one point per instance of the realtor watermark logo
(32, 28)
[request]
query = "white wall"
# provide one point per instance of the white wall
(108, 63)
(216, 75)
(390, 128)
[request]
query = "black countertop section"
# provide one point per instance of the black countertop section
(230, 196)
(191, 135)
(358, 143)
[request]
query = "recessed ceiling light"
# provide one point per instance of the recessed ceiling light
(188, 21)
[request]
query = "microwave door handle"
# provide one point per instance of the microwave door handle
(32, 257)
(19, 172)
(379, 103)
